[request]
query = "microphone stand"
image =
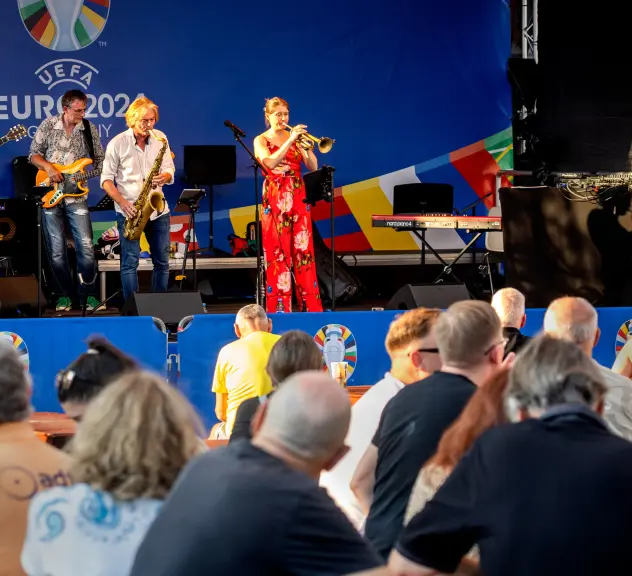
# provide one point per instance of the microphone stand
(474, 204)
(260, 289)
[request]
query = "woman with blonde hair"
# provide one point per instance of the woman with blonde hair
(130, 447)
(286, 223)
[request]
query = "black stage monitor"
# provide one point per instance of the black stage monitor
(210, 165)
(423, 198)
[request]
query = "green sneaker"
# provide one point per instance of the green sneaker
(93, 303)
(63, 304)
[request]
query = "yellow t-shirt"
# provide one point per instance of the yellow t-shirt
(241, 373)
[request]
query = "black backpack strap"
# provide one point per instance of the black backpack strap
(87, 132)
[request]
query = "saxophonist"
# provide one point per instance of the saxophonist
(129, 158)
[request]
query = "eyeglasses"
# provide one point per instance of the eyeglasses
(503, 342)
(77, 110)
(426, 350)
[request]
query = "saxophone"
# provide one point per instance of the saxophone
(148, 201)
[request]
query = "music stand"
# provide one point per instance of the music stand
(319, 185)
(36, 194)
(189, 201)
(210, 165)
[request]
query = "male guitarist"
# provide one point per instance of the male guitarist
(62, 140)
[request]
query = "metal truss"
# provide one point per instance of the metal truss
(530, 29)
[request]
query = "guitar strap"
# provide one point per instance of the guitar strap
(87, 132)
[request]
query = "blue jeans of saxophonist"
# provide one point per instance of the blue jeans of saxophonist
(157, 232)
(78, 218)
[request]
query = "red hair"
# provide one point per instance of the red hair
(484, 410)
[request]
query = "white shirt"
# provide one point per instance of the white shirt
(77, 531)
(618, 404)
(365, 418)
(127, 165)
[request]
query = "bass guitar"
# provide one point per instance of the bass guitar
(16, 133)
(74, 183)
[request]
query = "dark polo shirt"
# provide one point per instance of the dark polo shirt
(238, 510)
(408, 434)
(546, 497)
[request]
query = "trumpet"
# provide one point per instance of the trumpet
(307, 141)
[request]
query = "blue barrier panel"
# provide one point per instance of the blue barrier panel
(49, 345)
(356, 337)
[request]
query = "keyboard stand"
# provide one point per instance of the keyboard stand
(447, 268)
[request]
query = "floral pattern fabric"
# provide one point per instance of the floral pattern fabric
(288, 247)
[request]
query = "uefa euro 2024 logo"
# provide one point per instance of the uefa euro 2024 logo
(64, 25)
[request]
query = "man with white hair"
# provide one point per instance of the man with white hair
(575, 319)
(240, 371)
(548, 494)
(509, 304)
(255, 507)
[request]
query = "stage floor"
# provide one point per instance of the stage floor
(230, 306)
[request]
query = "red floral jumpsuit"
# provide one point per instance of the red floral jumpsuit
(288, 247)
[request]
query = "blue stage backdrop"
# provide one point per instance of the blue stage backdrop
(397, 84)
(47, 346)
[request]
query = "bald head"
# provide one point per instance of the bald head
(308, 415)
(509, 304)
(573, 319)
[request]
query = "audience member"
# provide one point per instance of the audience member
(240, 372)
(134, 439)
(549, 495)
(254, 508)
(576, 320)
(86, 376)
(509, 304)
(412, 348)
(27, 465)
(623, 362)
(295, 351)
(485, 410)
(471, 347)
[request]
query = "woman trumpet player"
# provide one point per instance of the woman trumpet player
(286, 223)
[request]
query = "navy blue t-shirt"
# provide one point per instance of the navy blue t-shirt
(410, 428)
(546, 497)
(239, 510)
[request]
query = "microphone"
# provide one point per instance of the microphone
(234, 128)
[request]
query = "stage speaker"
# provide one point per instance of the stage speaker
(170, 307)
(24, 174)
(18, 236)
(18, 296)
(558, 246)
(427, 296)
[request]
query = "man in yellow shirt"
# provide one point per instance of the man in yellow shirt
(240, 372)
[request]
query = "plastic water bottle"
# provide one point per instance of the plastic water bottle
(279, 307)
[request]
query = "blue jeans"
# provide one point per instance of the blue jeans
(158, 233)
(78, 219)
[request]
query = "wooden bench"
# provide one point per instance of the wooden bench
(356, 392)
(53, 427)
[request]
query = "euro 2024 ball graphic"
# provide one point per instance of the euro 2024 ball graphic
(64, 25)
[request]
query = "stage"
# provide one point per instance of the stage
(48, 345)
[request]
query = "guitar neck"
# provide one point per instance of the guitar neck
(3, 140)
(81, 177)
